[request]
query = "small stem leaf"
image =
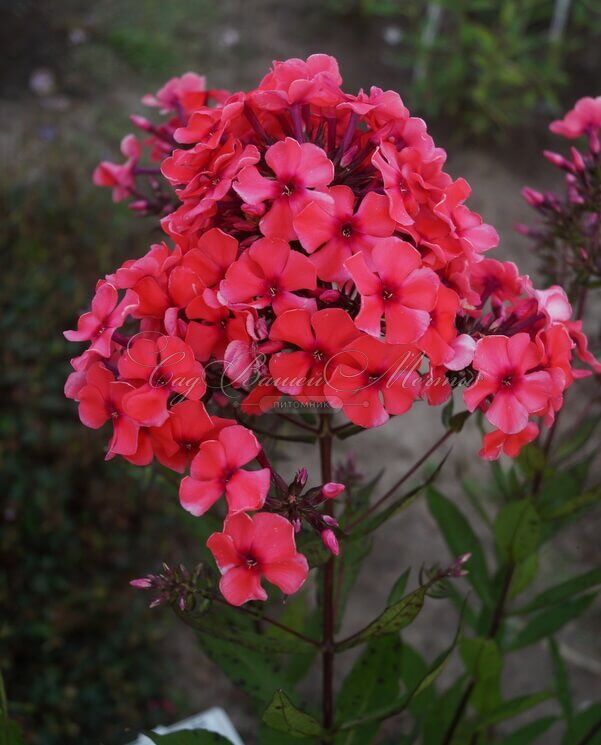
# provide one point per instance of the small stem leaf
(282, 715)
(530, 733)
(393, 619)
(461, 539)
(372, 683)
(547, 622)
(510, 709)
(517, 530)
(482, 660)
(563, 591)
(562, 683)
(189, 737)
(523, 576)
(399, 587)
(585, 728)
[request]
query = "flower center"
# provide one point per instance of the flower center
(251, 563)
(387, 294)
(287, 190)
(508, 381)
(318, 354)
(347, 231)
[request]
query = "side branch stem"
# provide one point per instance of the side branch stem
(328, 651)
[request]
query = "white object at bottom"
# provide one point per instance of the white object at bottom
(214, 720)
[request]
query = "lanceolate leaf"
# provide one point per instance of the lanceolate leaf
(530, 733)
(547, 622)
(396, 707)
(257, 673)
(579, 440)
(585, 728)
(517, 530)
(461, 539)
(372, 683)
(393, 619)
(284, 716)
(562, 683)
(511, 708)
(563, 591)
(483, 662)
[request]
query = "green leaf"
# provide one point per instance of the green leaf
(547, 622)
(371, 683)
(562, 683)
(461, 539)
(563, 591)
(585, 728)
(398, 589)
(523, 575)
(284, 716)
(483, 662)
(517, 530)
(572, 506)
(257, 673)
(511, 708)
(404, 701)
(531, 459)
(269, 736)
(189, 737)
(530, 732)
(396, 617)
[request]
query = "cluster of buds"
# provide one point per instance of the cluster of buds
(177, 587)
(568, 237)
(301, 507)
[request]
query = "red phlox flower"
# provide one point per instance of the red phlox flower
(398, 288)
(496, 442)
(507, 372)
(100, 400)
(295, 81)
(252, 548)
(319, 337)
(106, 315)
(160, 366)
(372, 380)
(332, 233)
(301, 171)
(269, 273)
(184, 94)
(217, 469)
(584, 118)
(120, 177)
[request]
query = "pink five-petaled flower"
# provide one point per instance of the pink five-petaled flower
(504, 364)
(584, 118)
(217, 468)
(120, 177)
(300, 171)
(162, 366)
(496, 442)
(373, 380)
(319, 337)
(269, 273)
(101, 399)
(105, 317)
(333, 233)
(399, 288)
(251, 548)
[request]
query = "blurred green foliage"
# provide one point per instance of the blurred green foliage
(486, 66)
(77, 650)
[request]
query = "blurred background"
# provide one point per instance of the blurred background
(83, 659)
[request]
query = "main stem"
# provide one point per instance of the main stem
(327, 655)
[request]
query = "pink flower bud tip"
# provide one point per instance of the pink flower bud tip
(141, 584)
(330, 541)
(330, 521)
(533, 197)
(302, 476)
(332, 489)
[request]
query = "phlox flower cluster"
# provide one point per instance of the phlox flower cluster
(314, 249)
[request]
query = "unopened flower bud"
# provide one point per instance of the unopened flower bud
(141, 122)
(533, 197)
(456, 569)
(140, 205)
(330, 521)
(331, 490)
(302, 476)
(593, 142)
(144, 583)
(329, 296)
(297, 525)
(558, 160)
(577, 160)
(330, 541)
